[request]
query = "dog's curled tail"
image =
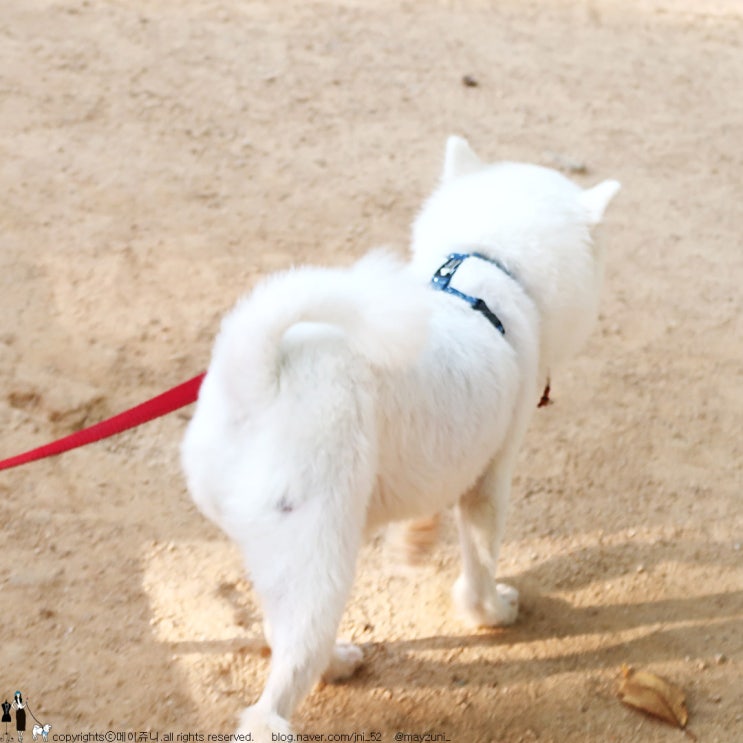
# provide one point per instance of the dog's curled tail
(382, 311)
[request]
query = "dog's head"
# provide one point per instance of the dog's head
(535, 221)
(460, 160)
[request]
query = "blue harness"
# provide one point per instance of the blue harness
(443, 276)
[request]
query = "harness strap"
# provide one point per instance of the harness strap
(443, 276)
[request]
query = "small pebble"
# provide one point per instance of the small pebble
(569, 165)
(469, 81)
(720, 658)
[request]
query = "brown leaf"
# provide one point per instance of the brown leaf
(652, 694)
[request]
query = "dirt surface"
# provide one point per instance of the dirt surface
(157, 158)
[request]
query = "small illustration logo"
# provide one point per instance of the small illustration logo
(19, 705)
(20, 715)
(41, 730)
(6, 719)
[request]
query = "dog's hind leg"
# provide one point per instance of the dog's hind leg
(412, 542)
(344, 662)
(481, 518)
(302, 563)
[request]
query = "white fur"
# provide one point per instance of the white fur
(38, 730)
(338, 400)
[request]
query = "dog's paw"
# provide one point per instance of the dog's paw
(498, 606)
(508, 601)
(344, 663)
(262, 724)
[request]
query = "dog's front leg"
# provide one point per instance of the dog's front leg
(481, 519)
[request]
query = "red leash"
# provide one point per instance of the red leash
(175, 398)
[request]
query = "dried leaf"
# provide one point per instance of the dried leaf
(654, 695)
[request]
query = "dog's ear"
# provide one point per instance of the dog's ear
(460, 159)
(595, 200)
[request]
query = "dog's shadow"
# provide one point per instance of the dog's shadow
(547, 619)
(638, 632)
(625, 632)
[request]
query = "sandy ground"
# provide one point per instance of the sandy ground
(157, 158)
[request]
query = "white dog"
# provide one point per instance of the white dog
(38, 730)
(338, 400)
